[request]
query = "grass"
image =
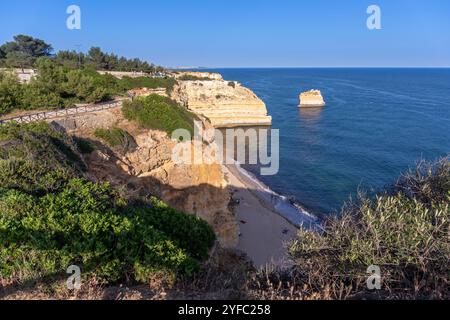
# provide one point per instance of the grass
(161, 113)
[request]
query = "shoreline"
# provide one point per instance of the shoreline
(267, 221)
(291, 211)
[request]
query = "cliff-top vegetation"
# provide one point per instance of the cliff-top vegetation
(61, 80)
(158, 112)
(52, 217)
(404, 231)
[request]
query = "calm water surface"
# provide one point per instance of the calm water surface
(377, 123)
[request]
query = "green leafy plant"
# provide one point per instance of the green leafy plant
(405, 232)
(52, 217)
(189, 77)
(158, 112)
(115, 137)
(84, 145)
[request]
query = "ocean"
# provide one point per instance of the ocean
(377, 124)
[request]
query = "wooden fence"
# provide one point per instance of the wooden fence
(63, 113)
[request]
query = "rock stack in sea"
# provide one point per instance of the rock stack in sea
(312, 98)
(224, 103)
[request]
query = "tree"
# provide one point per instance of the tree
(23, 51)
(83, 88)
(70, 59)
(29, 45)
(50, 74)
(97, 58)
(18, 59)
(10, 92)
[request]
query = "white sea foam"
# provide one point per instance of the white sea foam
(285, 206)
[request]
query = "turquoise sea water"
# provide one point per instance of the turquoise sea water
(377, 123)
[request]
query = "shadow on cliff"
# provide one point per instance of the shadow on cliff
(224, 273)
(209, 202)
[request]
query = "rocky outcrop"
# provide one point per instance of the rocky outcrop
(312, 98)
(148, 169)
(144, 92)
(24, 75)
(205, 75)
(87, 122)
(225, 104)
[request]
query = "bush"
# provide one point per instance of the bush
(405, 233)
(158, 112)
(36, 158)
(57, 87)
(10, 93)
(86, 224)
(189, 77)
(51, 218)
(128, 83)
(116, 137)
(84, 145)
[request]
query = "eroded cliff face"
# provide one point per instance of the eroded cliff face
(224, 103)
(146, 168)
(312, 98)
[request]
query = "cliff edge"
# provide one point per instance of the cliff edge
(145, 168)
(224, 103)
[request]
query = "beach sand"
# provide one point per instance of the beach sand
(263, 231)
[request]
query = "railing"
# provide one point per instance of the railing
(62, 113)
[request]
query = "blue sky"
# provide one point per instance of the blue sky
(243, 33)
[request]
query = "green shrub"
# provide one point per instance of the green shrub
(193, 234)
(84, 145)
(51, 218)
(128, 83)
(36, 158)
(405, 233)
(115, 137)
(86, 224)
(11, 93)
(189, 77)
(158, 112)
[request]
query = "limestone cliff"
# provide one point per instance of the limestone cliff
(147, 168)
(312, 98)
(225, 104)
(197, 74)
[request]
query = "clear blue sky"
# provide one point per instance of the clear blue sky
(243, 33)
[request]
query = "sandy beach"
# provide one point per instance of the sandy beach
(263, 231)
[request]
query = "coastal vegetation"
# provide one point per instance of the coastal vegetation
(405, 231)
(190, 77)
(58, 87)
(158, 112)
(24, 51)
(116, 138)
(52, 217)
(61, 81)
